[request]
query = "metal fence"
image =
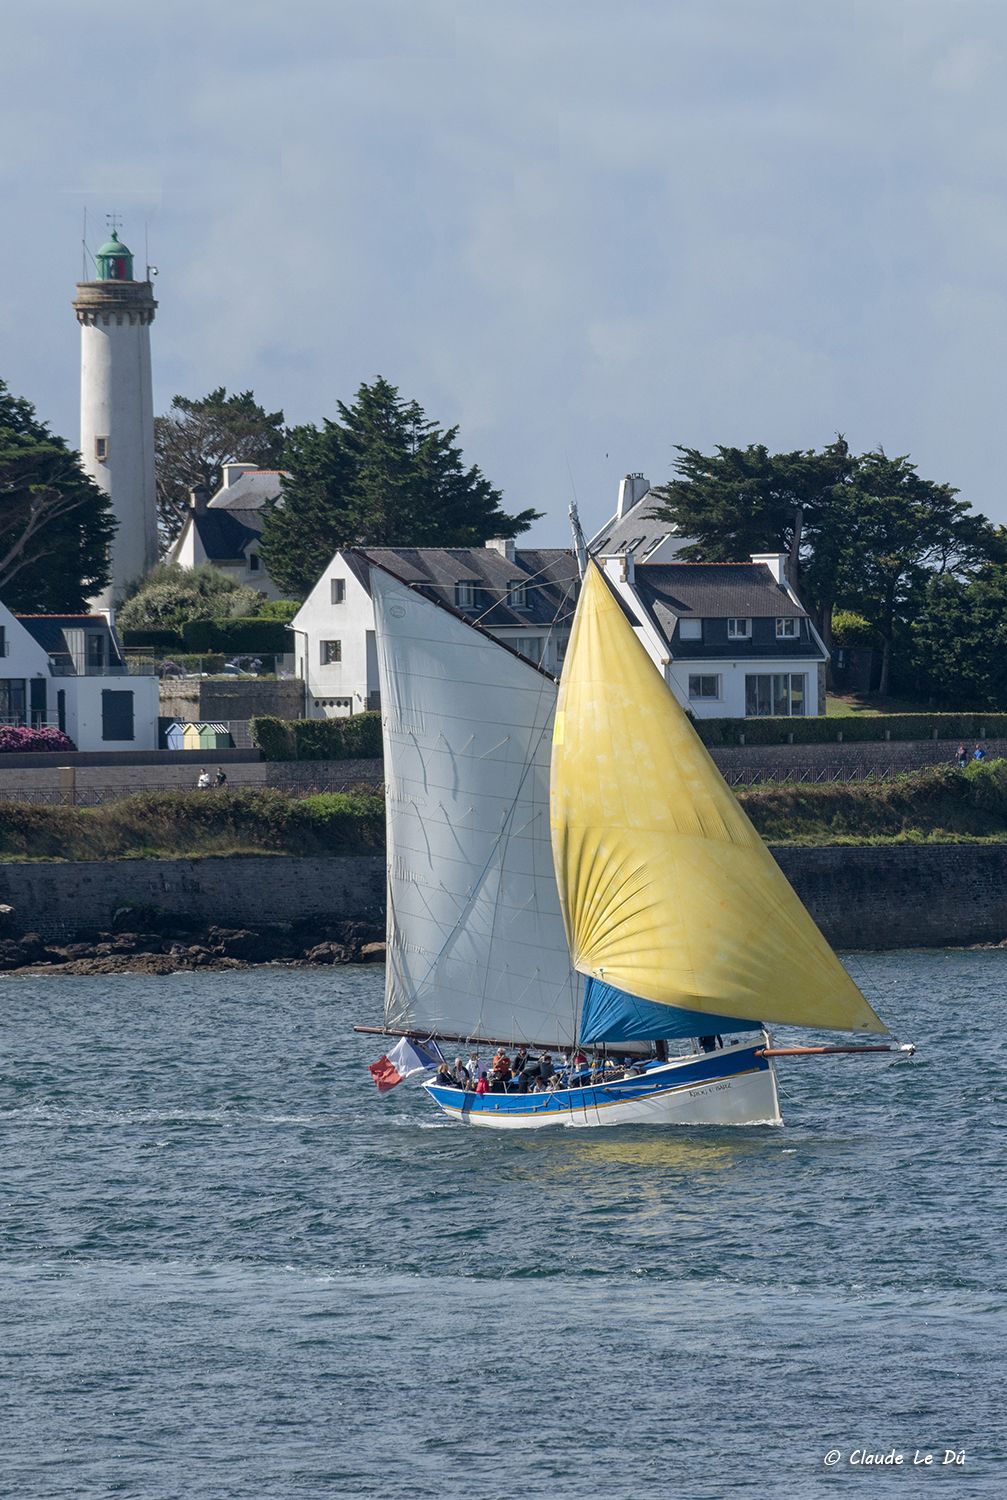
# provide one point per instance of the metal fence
(96, 796)
(813, 775)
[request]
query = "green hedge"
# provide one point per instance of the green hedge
(851, 728)
(160, 640)
(357, 737)
(245, 634)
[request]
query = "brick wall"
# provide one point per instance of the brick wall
(933, 895)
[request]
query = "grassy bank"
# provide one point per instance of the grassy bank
(936, 804)
(159, 824)
(940, 803)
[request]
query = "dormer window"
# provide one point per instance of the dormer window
(788, 629)
(739, 630)
(517, 594)
(465, 595)
(253, 562)
(690, 630)
(95, 651)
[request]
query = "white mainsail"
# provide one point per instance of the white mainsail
(476, 943)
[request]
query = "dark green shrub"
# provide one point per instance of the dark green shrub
(162, 640)
(853, 728)
(357, 737)
(279, 609)
(247, 635)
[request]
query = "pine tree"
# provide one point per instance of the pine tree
(196, 438)
(382, 475)
(56, 525)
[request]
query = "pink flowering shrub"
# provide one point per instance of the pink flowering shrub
(18, 740)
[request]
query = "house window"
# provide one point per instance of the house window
(337, 589)
(788, 629)
(774, 694)
(12, 700)
(331, 652)
(465, 595)
(739, 630)
(517, 595)
(101, 449)
(95, 651)
(117, 716)
(529, 646)
(253, 562)
(704, 687)
(690, 630)
(3, 640)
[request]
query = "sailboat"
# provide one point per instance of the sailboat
(572, 872)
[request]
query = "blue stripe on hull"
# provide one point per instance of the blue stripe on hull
(707, 1069)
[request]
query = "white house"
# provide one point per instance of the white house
(633, 529)
(68, 672)
(731, 639)
(225, 530)
(524, 597)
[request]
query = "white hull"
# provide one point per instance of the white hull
(748, 1098)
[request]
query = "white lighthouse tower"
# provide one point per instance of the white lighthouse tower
(117, 409)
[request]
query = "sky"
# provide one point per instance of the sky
(583, 231)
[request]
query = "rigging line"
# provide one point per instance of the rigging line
(527, 579)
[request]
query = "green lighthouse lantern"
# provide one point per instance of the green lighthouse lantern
(115, 261)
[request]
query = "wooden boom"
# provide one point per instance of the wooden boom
(819, 1051)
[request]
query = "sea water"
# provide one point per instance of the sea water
(229, 1269)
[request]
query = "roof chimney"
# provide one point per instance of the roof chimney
(197, 497)
(631, 490)
(233, 472)
(502, 544)
(776, 562)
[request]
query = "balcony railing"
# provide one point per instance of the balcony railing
(64, 665)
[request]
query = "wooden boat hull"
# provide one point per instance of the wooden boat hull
(732, 1086)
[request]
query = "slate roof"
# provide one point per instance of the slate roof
(712, 591)
(550, 574)
(49, 631)
(250, 491)
(225, 534)
(636, 529)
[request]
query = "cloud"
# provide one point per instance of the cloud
(583, 231)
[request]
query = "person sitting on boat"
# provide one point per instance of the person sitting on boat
(710, 1043)
(446, 1078)
(520, 1060)
(474, 1066)
(580, 1058)
(500, 1077)
(482, 1087)
(461, 1073)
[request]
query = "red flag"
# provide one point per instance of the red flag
(385, 1074)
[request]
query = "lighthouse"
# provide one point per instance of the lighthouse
(117, 409)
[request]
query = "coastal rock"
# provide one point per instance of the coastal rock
(117, 963)
(372, 953)
(253, 947)
(328, 953)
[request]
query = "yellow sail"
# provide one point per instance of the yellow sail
(667, 890)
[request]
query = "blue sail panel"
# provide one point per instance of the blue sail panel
(610, 1015)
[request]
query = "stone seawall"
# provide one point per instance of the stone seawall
(931, 895)
(61, 901)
